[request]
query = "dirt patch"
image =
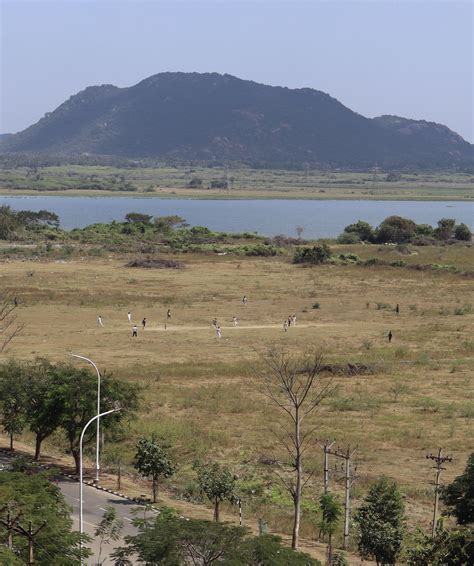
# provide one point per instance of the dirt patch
(349, 369)
(155, 263)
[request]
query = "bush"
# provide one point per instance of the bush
(195, 183)
(315, 255)
(395, 229)
(462, 232)
(348, 238)
(361, 229)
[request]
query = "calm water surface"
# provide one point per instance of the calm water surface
(320, 219)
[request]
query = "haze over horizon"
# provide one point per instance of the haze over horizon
(413, 59)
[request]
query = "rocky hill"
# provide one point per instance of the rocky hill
(212, 118)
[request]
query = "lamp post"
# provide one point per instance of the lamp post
(81, 524)
(97, 452)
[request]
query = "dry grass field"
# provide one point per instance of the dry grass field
(199, 391)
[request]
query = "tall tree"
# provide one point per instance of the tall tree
(295, 386)
(44, 400)
(459, 495)
(152, 461)
(217, 483)
(77, 388)
(380, 520)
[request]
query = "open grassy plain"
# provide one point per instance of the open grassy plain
(200, 391)
(189, 182)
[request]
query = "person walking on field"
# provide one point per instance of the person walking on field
(144, 323)
(99, 321)
(397, 309)
(129, 316)
(219, 332)
(390, 336)
(235, 321)
(244, 300)
(168, 314)
(290, 320)
(134, 331)
(293, 319)
(285, 325)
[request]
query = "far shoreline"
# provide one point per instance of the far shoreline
(216, 195)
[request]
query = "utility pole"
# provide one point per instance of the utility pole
(9, 524)
(30, 533)
(349, 479)
(439, 460)
(326, 446)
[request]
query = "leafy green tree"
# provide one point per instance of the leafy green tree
(109, 529)
(459, 495)
(331, 511)
(174, 541)
(13, 402)
(362, 229)
(77, 389)
(168, 223)
(445, 229)
(315, 255)
(41, 502)
(446, 548)
(462, 232)
(217, 483)
(395, 229)
(138, 218)
(44, 401)
(380, 521)
(152, 461)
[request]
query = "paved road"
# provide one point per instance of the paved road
(94, 505)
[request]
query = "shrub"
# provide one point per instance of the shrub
(462, 232)
(361, 229)
(395, 229)
(316, 306)
(445, 228)
(315, 255)
(348, 238)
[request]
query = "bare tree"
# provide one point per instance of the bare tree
(296, 386)
(299, 231)
(9, 325)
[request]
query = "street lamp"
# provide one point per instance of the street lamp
(81, 525)
(97, 463)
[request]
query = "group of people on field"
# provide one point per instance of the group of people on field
(287, 323)
(100, 322)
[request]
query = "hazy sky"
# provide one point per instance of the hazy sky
(414, 59)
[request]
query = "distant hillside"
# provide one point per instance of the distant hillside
(210, 118)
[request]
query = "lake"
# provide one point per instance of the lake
(319, 218)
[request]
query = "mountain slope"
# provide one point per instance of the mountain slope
(210, 117)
